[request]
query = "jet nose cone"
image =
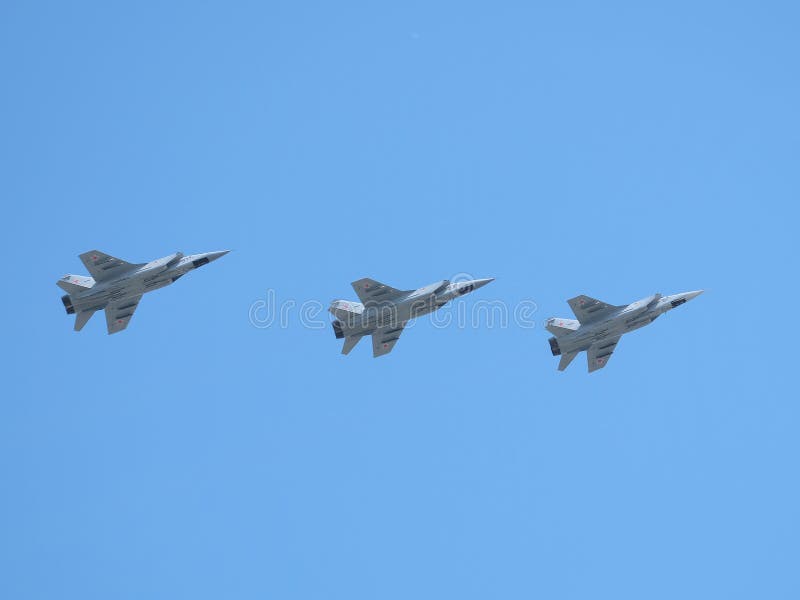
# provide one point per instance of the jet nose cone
(215, 255)
(481, 282)
(683, 298)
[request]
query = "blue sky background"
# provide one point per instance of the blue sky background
(612, 149)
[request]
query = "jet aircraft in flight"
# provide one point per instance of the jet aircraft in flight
(599, 326)
(117, 286)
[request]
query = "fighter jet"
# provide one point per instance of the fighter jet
(384, 311)
(599, 326)
(118, 286)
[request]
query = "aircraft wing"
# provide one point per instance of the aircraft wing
(102, 266)
(371, 291)
(384, 339)
(598, 353)
(118, 314)
(590, 309)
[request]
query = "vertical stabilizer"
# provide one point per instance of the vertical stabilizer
(75, 284)
(562, 327)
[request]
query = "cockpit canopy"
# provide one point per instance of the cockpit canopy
(174, 259)
(432, 288)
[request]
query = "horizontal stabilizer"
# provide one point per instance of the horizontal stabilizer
(350, 343)
(566, 359)
(82, 318)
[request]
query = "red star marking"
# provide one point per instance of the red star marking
(386, 345)
(94, 258)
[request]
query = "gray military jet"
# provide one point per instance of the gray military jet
(599, 326)
(384, 311)
(118, 286)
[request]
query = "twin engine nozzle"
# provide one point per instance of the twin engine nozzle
(68, 305)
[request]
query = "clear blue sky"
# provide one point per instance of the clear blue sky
(612, 149)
